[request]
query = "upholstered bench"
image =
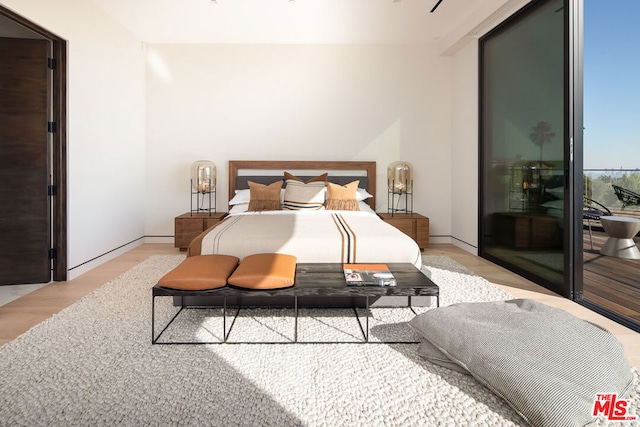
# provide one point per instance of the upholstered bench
(220, 275)
(269, 277)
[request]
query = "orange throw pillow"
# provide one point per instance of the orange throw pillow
(319, 178)
(264, 197)
(342, 197)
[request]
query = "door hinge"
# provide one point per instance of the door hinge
(51, 127)
(51, 190)
(52, 253)
(51, 63)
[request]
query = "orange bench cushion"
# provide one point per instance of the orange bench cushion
(265, 271)
(197, 273)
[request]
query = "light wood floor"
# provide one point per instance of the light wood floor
(20, 315)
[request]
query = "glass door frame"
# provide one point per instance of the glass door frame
(575, 121)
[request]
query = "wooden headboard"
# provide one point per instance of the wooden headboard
(267, 171)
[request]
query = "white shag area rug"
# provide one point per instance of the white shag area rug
(93, 364)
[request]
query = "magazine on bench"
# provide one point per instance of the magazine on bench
(368, 275)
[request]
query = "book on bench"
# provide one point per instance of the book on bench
(368, 275)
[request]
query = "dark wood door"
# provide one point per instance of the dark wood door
(24, 176)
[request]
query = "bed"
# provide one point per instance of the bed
(313, 235)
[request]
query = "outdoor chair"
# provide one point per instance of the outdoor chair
(627, 197)
(593, 211)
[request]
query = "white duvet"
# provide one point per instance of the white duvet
(313, 237)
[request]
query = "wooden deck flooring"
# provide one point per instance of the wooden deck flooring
(610, 282)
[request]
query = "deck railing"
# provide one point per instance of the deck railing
(598, 186)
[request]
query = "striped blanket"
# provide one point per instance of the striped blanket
(313, 237)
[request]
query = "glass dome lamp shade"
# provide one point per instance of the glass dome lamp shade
(203, 176)
(400, 177)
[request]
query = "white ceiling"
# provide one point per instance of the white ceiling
(299, 21)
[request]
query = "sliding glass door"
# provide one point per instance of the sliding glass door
(526, 126)
(611, 284)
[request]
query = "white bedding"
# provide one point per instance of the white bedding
(313, 237)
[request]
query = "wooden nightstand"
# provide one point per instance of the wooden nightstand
(413, 225)
(188, 226)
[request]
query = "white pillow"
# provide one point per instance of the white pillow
(362, 194)
(243, 196)
(557, 192)
(239, 207)
(554, 204)
(301, 196)
(364, 207)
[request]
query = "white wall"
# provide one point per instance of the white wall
(464, 147)
(462, 43)
(296, 102)
(106, 133)
(132, 137)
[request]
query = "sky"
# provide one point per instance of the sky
(611, 84)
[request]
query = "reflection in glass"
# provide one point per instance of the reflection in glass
(523, 207)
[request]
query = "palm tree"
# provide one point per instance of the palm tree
(541, 135)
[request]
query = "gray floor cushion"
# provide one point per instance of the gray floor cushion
(546, 363)
(435, 356)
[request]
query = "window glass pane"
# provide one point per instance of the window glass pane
(523, 114)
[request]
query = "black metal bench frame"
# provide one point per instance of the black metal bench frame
(317, 280)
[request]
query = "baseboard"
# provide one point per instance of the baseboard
(86, 266)
(439, 239)
(464, 245)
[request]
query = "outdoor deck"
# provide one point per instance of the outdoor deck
(610, 282)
